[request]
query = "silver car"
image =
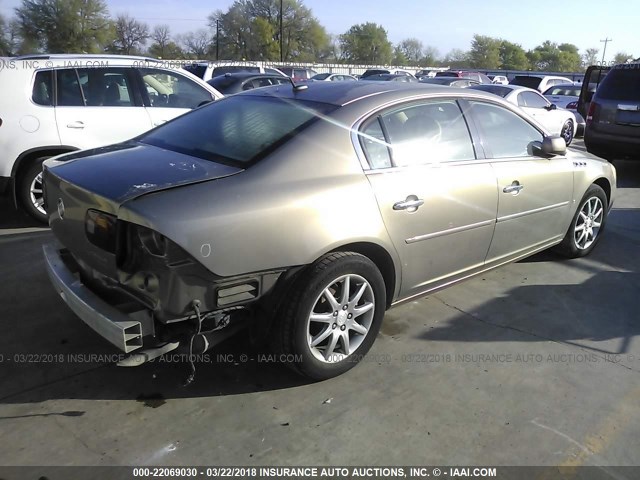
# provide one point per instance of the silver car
(305, 212)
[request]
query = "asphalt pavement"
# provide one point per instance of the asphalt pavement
(537, 363)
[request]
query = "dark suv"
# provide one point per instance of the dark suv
(613, 119)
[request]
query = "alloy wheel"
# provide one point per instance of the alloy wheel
(588, 223)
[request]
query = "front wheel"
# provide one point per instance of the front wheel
(333, 316)
(567, 132)
(587, 224)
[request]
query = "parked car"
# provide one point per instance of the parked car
(565, 95)
(333, 77)
(60, 103)
(208, 70)
(451, 81)
(499, 80)
(390, 77)
(425, 73)
(557, 120)
(613, 119)
(231, 83)
(538, 82)
(381, 71)
(298, 73)
(477, 76)
(307, 212)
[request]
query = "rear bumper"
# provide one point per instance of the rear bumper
(610, 145)
(110, 323)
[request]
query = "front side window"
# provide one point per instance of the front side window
(429, 132)
(505, 133)
(171, 90)
(237, 130)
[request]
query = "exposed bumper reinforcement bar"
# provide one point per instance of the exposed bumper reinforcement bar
(109, 322)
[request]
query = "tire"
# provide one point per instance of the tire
(590, 217)
(30, 191)
(566, 132)
(340, 332)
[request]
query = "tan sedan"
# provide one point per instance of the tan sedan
(305, 212)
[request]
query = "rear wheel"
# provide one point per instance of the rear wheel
(30, 193)
(333, 316)
(567, 132)
(587, 225)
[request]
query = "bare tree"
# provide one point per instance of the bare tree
(131, 35)
(198, 43)
(161, 37)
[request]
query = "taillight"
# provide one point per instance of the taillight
(572, 106)
(591, 112)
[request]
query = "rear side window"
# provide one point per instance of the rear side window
(237, 130)
(42, 93)
(621, 84)
(69, 91)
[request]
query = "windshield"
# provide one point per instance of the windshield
(564, 90)
(320, 76)
(237, 130)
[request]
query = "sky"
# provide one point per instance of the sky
(443, 24)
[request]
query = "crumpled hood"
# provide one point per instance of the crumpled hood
(125, 171)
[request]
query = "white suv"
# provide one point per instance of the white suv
(208, 70)
(61, 103)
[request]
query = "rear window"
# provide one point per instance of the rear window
(197, 70)
(237, 130)
(560, 90)
(621, 84)
(495, 89)
(234, 69)
(524, 81)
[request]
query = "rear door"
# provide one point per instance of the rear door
(534, 194)
(437, 201)
(98, 106)
(592, 79)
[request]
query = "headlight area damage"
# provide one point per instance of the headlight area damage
(160, 297)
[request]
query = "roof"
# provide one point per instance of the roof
(83, 56)
(343, 93)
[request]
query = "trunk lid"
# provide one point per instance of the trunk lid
(103, 179)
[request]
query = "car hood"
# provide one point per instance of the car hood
(125, 171)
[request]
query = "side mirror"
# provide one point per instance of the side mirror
(553, 106)
(554, 145)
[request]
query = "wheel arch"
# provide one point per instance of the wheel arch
(382, 260)
(26, 159)
(606, 186)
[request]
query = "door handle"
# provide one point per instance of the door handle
(77, 125)
(411, 204)
(514, 188)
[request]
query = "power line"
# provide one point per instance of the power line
(606, 40)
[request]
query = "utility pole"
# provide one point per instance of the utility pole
(281, 49)
(604, 50)
(217, 38)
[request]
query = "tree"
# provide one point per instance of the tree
(161, 37)
(65, 26)
(412, 51)
(590, 56)
(485, 52)
(622, 57)
(552, 57)
(456, 58)
(513, 56)
(430, 57)
(130, 35)
(366, 43)
(197, 44)
(251, 29)
(569, 59)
